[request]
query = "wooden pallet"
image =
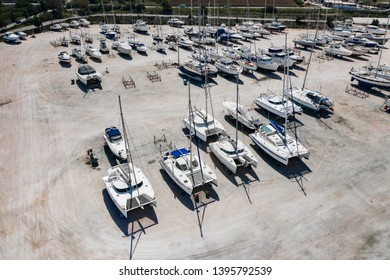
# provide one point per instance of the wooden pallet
(128, 82)
(154, 77)
(356, 92)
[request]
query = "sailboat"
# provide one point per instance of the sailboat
(201, 123)
(310, 99)
(370, 78)
(126, 184)
(185, 168)
(233, 153)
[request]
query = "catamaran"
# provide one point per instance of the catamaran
(126, 184)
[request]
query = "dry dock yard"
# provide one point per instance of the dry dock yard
(336, 205)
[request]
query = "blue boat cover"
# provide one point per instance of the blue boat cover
(277, 127)
(179, 152)
(112, 131)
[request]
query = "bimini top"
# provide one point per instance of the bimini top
(112, 132)
(179, 152)
(86, 70)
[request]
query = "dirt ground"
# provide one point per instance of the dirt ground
(54, 205)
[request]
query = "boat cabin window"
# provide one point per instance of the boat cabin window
(233, 152)
(131, 188)
(276, 101)
(182, 167)
(115, 138)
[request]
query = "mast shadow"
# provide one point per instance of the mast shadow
(295, 169)
(137, 221)
(298, 67)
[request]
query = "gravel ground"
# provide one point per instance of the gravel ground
(54, 204)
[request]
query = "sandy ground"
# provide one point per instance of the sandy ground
(54, 205)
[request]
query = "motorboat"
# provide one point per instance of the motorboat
(274, 141)
(275, 26)
(103, 46)
(264, 62)
(64, 57)
(74, 24)
(175, 22)
(245, 115)
(355, 49)
(296, 57)
(141, 48)
(141, 26)
(361, 41)
(160, 47)
(21, 34)
(190, 31)
(187, 170)
(11, 37)
(83, 22)
(115, 43)
(132, 41)
(115, 142)
(380, 40)
(337, 50)
(126, 184)
(227, 66)
(75, 39)
(103, 27)
(279, 56)
(184, 41)
(232, 153)
(124, 48)
(277, 105)
(79, 55)
(373, 29)
(64, 25)
(93, 52)
(213, 54)
(88, 75)
(310, 99)
(197, 70)
(243, 51)
(230, 53)
(202, 124)
(246, 65)
(111, 34)
(56, 27)
(305, 41)
(202, 57)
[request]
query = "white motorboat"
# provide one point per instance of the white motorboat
(202, 124)
(230, 53)
(279, 56)
(355, 49)
(103, 46)
(274, 141)
(310, 99)
(83, 22)
(89, 76)
(79, 55)
(141, 26)
(232, 153)
(141, 48)
(64, 25)
(264, 62)
(337, 50)
(124, 48)
(103, 27)
(275, 26)
(198, 70)
(246, 116)
(64, 57)
(115, 142)
(133, 41)
(185, 41)
(11, 37)
(246, 64)
(373, 29)
(21, 34)
(160, 47)
(75, 39)
(74, 24)
(175, 22)
(93, 52)
(56, 27)
(305, 41)
(201, 56)
(187, 170)
(277, 105)
(226, 66)
(126, 184)
(213, 54)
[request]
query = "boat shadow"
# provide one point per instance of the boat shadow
(376, 91)
(268, 74)
(137, 220)
(360, 57)
(87, 89)
(342, 58)
(230, 78)
(185, 199)
(112, 159)
(197, 83)
(232, 121)
(65, 64)
(243, 177)
(295, 169)
(125, 56)
(298, 67)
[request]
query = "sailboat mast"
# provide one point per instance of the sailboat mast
(311, 51)
(383, 43)
(237, 111)
(190, 122)
(285, 69)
